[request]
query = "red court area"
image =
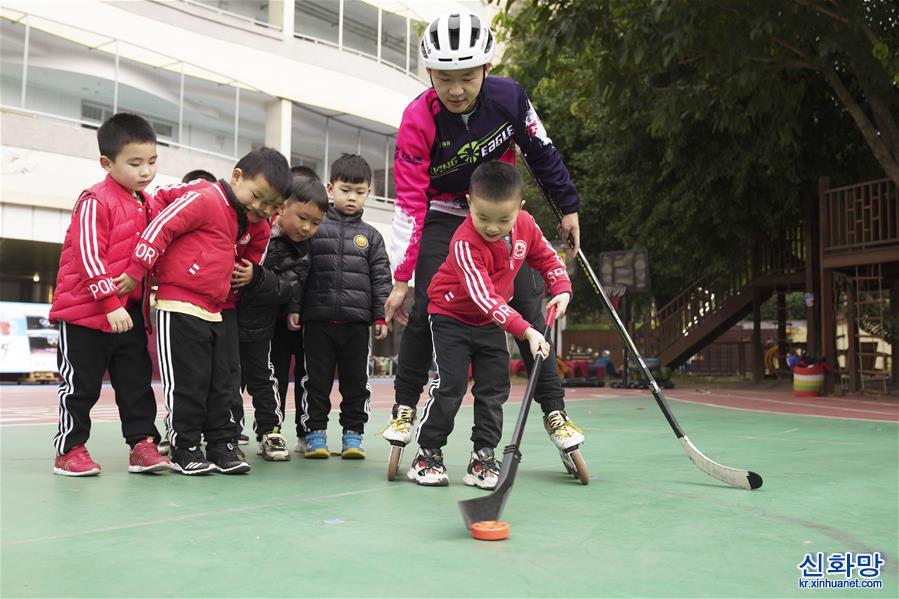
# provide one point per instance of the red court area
(36, 404)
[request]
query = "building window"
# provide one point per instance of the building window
(96, 112)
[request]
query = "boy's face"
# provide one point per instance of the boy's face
(134, 167)
(494, 220)
(458, 90)
(299, 220)
(349, 198)
(256, 195)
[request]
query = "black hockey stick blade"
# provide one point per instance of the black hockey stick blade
(489, 507)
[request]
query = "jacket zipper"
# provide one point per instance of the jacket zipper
(339, 268)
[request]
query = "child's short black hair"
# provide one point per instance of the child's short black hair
(198, 174)
(496, 181)
(308, 190)
(121, 129)
(306, 171)
(350, 168)
(271, 164)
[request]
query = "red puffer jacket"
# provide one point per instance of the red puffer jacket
(106, 224)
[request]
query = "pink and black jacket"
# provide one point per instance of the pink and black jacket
(437, 151)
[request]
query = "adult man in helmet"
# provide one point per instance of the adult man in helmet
(464, 120)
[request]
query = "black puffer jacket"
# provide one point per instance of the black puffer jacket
(276, 288)
(350, 276)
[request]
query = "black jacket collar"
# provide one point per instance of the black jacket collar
(242, 222)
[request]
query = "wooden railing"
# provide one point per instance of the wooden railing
(859, 217)
(691, 307)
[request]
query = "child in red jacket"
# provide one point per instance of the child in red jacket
(190, 246)
(469, 315)
(101, 322)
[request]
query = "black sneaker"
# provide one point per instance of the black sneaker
(225, 459)
(190, 461)
(243, 439)
(238, 451)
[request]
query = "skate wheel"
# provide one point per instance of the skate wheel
(580, 467)
(569, 465)
(393, 464)
(490, 530)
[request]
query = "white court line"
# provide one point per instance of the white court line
(198, 515)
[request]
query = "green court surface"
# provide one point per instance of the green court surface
(649, 525)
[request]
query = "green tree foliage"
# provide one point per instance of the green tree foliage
(692, 127)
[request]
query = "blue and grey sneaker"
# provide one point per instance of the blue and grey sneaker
(352, 446)
(317, 445)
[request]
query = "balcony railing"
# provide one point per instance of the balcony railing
(859, 217)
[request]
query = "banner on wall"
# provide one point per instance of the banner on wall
(27, 338)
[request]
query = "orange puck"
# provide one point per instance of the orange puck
(490, 530)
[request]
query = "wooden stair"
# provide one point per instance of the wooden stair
(706, 309)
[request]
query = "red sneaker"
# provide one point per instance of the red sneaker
(77, 462)
(145, 457)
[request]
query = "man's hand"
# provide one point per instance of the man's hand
(561, 301)
(537, 342)
(120, 320)
(381, 330)
(293, 321)
(125, 283)
(243, 274)
(393, 307)
(570, 227)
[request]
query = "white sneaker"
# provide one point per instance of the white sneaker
(300, 446)
(273, 447)
(427, 468)
(563, 432)
(400, 428)
(483, 469)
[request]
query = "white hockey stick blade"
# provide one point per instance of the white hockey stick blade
(744, 479)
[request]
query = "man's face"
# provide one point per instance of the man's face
(299, 220)
(349, 198)
(494, 220)
(458, 90)
(134, 167)
(255, 195)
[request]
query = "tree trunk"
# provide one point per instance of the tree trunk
(878, 148)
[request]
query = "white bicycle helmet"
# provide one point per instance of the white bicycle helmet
(457, 41)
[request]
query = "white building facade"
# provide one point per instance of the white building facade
(312, 78)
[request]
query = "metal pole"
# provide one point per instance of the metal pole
(359, 141)
(25, 63)
(408, 29)
(340, 26)
(115, 83)
(327, 168)
(181, 108)
(380, 23)
(236, 114)
(386, 166)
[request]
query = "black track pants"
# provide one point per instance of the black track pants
(83, 356)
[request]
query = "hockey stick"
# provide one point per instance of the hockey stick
(744, 479)
(489, 507)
